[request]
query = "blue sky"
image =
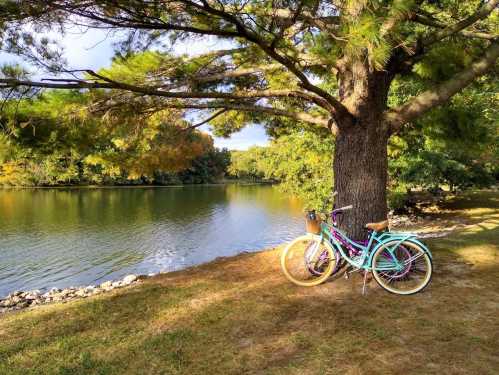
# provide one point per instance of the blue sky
(92, 50)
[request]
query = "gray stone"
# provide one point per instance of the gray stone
(106, 285)
(7, 303)
(129, 279)
(81, 293)
(35, 294)
(15, 300)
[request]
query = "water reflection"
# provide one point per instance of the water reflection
(64, 237)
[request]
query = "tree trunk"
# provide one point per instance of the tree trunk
(360, 173)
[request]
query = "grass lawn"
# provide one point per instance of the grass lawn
(241, 316)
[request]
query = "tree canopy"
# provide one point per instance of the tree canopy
(286, 55)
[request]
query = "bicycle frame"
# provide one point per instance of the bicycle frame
(360, 253)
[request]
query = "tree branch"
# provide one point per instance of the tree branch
(441, 93)
(432, 22)
(111, 84)
(300, 116)
(205, 121)
(480, 14)
(336, 108)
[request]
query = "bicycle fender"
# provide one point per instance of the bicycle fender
(409, 237)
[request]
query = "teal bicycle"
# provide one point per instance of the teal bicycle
(400, 263)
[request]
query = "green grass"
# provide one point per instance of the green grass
(240, 316)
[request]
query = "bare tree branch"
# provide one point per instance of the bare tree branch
(300, 116)
(441, 93)
(205, 121)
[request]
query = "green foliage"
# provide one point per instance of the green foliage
(53, 140)
(300, 161)
(249, 164)
(453, 146)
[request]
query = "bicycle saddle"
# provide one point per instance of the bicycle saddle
(377, 227)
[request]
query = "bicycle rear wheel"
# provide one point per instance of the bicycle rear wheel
(308, 261)
(404, 270)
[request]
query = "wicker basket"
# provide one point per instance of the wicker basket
(313, 225)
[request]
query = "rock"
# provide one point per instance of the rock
(33, 295)
(81, 293)
(117, 284)
(129, 279)
(7, 303)
(15, 300)
(106, 285)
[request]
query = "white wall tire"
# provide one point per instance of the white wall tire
(295, 246)
(421, 273)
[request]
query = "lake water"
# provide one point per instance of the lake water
(84, 236)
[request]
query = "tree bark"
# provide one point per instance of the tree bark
(360, 175)
(360, 155)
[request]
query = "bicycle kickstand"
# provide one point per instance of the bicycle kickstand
(365, 281)
(350, 270)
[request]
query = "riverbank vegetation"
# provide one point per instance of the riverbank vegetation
(196, 321)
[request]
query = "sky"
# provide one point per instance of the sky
(93, 50)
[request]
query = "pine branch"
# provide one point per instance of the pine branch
(483, 12)
(207, 120)
(432, 22)
(429, 99)
(300, 116)
(63, 83)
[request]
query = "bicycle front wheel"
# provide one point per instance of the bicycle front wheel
(405, 270)
(308, 260)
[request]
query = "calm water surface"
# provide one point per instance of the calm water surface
(70, 237)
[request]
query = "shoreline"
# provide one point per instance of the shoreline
(21, 300)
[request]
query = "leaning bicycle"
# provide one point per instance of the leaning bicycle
(399, 262)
